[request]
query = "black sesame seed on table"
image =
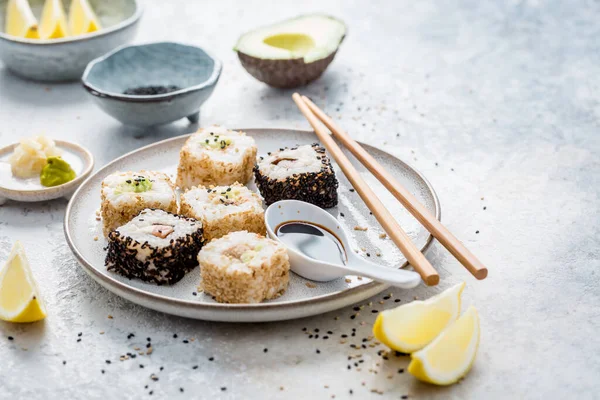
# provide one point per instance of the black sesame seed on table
(11, 338)
(181, 390)
(79, 334)
(476, 231)
(211, 358)
(397, 301)
(374, 311)
(195, 367)
(223, 388)
(102, 371)
(141, 365)
(318, 351)
(265, 350)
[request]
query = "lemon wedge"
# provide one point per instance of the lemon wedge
(20, 20)
(19, 295)
(53, 24)
(411, 327)
(82, 18)
(451, 355)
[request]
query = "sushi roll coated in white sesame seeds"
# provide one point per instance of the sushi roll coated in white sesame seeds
(244, 267)
(301, 173)
(216, 156)
(156, 246)
(224, 209)
(125, 194)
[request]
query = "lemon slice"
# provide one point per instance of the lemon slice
(19, 295)
(451, 355)
(20, 20)
(82, 18)
(411, 327)
(53, 24)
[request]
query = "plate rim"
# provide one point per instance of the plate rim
(115, 286)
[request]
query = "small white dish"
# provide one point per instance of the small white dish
(31, 190)
(289, 211)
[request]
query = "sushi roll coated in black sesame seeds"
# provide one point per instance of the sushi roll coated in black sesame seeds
(299, 173)
(156, 246)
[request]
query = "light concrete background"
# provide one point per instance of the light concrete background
(495, 102)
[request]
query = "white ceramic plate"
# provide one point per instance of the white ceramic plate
(300, 300)
(31, 190)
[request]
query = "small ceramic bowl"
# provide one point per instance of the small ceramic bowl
(31, 190)
(189, 68)
(65, 59)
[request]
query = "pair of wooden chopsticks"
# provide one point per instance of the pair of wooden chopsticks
(314, 114)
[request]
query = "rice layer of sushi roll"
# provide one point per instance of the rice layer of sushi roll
(244, 267)
(300, 173)
(224, 209)
(156, 246)
(216, 156)
(125, 194)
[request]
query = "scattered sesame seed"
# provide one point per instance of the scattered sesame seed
(185, 341)
(318, 351)
(223, 389)
(476, 231)
(211, 359)
(102, 371)
(181, 390)
(174, 336)
(195, 367)
(64, 362)
(11, 338)
(265, 350)
(110, 316)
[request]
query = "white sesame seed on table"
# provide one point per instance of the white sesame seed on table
(496, 103)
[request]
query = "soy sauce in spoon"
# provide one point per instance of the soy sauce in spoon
(313, 240)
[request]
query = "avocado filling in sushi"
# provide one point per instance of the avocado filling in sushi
(138, 184)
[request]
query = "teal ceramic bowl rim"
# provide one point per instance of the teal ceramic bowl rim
(96, 91)
(102, 32)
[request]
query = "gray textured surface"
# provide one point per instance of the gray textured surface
(502, 95)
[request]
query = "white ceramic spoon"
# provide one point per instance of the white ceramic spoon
(286, 211)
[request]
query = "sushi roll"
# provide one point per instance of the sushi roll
(244, 267)
(300, 173)
(216, 156)
(125, 194)
(156, 246)
(224, 209)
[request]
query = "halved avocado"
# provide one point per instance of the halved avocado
(291, 53)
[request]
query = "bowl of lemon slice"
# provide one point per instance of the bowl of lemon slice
(54, 40)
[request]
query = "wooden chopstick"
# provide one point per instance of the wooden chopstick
(387, 221)
(439, 231)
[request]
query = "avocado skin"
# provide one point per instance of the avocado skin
(285, 74)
